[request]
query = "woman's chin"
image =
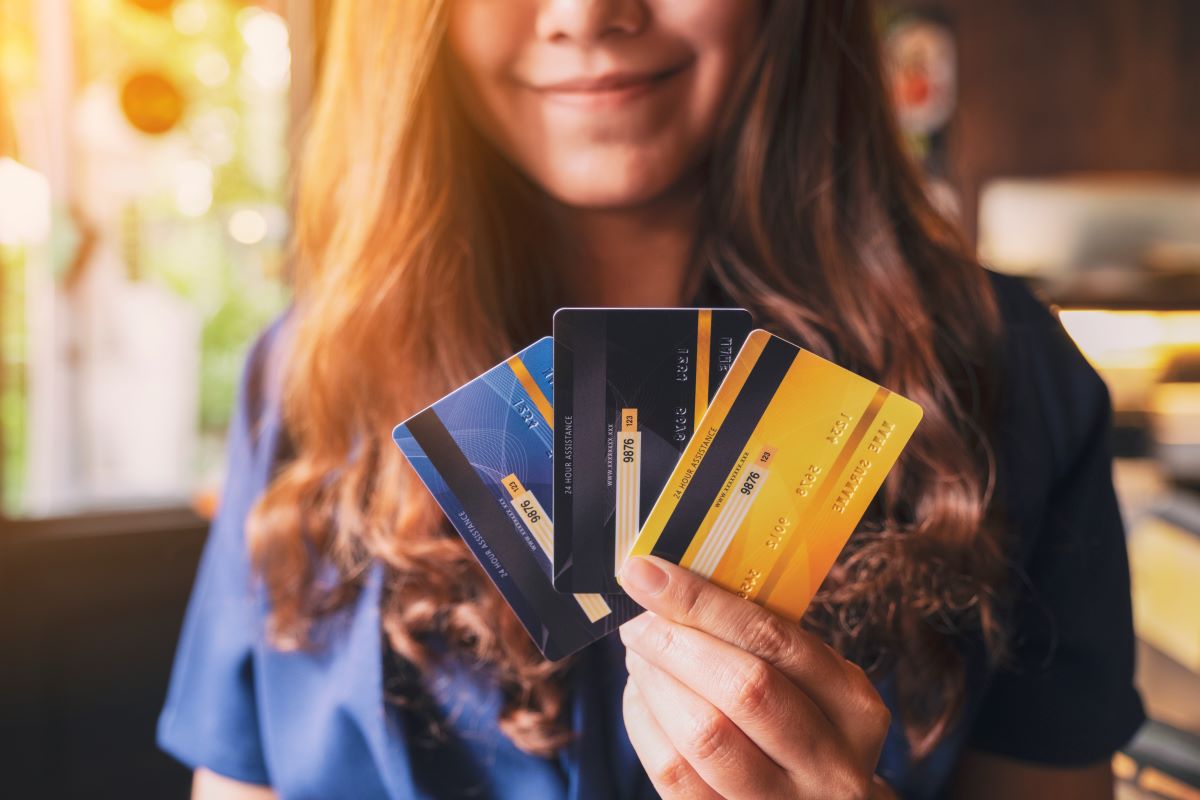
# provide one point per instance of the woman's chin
(612, 189)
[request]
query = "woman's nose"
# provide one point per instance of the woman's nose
(585, 21)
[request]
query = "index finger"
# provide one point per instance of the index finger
(672, 592)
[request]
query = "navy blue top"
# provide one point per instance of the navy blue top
(316, 724)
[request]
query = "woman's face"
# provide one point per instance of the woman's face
(603, 103)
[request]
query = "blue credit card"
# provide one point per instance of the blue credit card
(486, 453)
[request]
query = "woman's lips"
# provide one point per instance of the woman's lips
(605, 91)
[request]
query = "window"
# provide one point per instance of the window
(144, 151)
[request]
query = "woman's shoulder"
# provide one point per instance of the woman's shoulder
(1067, 606)
(1022, 311)
(260, 392)
(1049, 390)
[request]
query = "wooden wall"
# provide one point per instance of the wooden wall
(90, 611)
(1051, 86)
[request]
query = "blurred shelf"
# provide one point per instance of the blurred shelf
(1170, 691)
(1153, 293)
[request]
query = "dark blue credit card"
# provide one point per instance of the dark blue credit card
(485, 452)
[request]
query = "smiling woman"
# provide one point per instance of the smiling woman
(612, 126)
(474, 164)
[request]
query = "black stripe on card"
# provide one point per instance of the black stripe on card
(555, 621)
(730, 327)
(564, 458)
(586, 343)
(727, 446)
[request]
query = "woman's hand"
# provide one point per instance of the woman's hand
(727, 699)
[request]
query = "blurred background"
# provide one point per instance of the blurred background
(145, 154)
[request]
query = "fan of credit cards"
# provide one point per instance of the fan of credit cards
(681, 433)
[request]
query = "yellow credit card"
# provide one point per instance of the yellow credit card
(778, 474)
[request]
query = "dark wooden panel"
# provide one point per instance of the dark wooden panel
(1051, 86)
(88, 625)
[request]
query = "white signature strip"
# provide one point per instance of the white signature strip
(628, 499)
(593, 605)
(727, 523)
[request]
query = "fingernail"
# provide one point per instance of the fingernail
(644, 575)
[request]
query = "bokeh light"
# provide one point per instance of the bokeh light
(247, 226)
(24, 204)
(268, 57)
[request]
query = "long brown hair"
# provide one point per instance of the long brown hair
(816, 222)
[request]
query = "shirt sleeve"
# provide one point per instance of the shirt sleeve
(1065, 695)
(210, 718)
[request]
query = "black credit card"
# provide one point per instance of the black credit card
(630, 384)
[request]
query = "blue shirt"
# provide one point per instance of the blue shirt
(316, 724)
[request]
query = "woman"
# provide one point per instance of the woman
(474, 164)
